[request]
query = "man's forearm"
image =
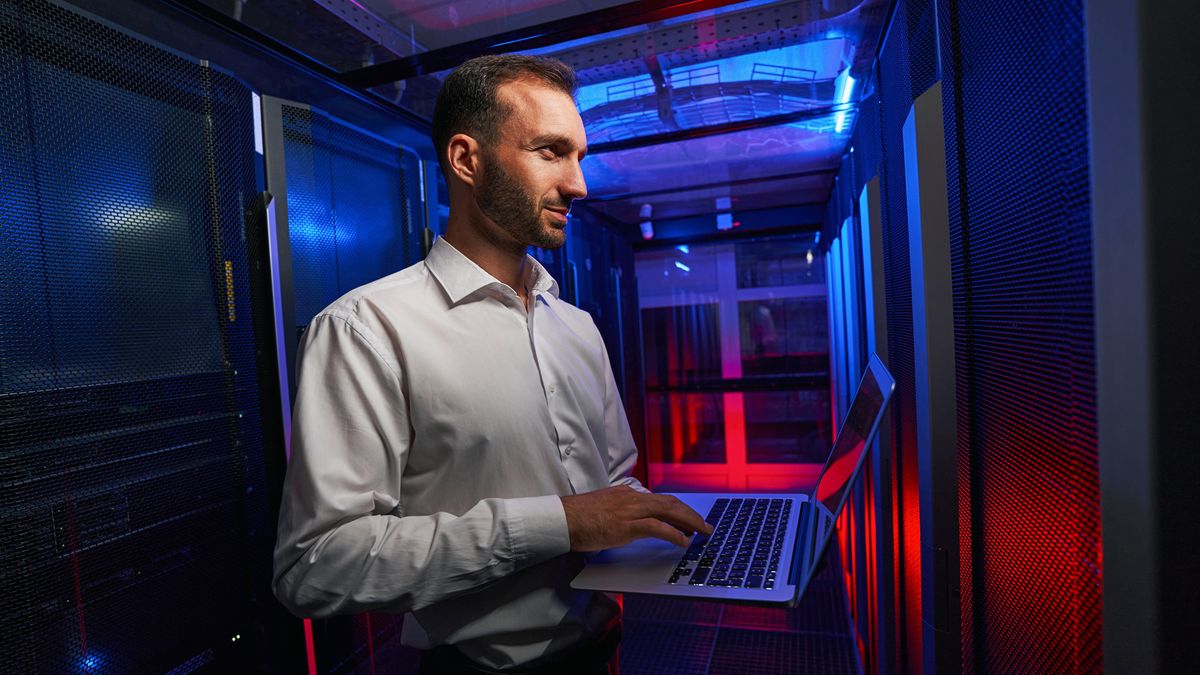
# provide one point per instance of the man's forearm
(402, 564)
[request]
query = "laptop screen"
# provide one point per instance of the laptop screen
(845, 461)
(857, 430)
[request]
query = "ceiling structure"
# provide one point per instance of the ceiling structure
(691, 106)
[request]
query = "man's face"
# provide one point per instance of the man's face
(532, 174)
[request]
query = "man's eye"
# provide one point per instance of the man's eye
(548, 152)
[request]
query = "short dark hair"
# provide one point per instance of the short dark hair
(467, 103)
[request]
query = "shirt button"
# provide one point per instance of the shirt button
(553, 388)
(568, 450)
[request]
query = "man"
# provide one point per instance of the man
(458, 439)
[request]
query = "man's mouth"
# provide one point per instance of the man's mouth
(560, 212)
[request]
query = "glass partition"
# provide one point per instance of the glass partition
(735, 337)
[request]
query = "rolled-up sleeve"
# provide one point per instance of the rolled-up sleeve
(343, 543)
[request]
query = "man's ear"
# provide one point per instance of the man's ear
(464, 157)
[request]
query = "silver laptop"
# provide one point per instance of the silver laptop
(765, 547)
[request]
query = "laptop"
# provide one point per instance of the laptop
(764, 548)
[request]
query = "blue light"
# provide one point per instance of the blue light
(845, 88)
(682, 248)
(89, 664)
(821, 59)
(303, 228)
(683, 267)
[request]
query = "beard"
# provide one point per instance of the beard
(503, 200)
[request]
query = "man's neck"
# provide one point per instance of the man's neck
(503, 260)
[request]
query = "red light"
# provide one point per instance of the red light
(309, 648)
(370, 642)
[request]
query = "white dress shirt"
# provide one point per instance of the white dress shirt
(436, 423)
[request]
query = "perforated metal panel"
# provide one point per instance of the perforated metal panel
(1016, 154)
(920, 45)
(1022, 280)
(895, 87)
(353, 216)
(955, 187)
(866, 142)
(352, 208)
(873, 609)
(906, 66)
(131, 453)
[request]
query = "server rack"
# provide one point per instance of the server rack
(136, 428)
(347, 207)
(1022, 476)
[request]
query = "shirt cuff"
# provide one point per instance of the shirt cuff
(631, 482)
(538, 528)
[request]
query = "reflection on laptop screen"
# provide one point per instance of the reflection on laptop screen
(851, 444)
(845, 460)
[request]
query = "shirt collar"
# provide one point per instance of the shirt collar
(460, 277)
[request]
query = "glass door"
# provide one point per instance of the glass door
(736, 349)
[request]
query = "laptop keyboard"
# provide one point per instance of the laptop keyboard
(744, 549)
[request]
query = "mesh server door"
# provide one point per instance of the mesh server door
(349, 209)
(136, 529)
(349, 203)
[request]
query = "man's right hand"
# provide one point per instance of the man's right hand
(616, 516)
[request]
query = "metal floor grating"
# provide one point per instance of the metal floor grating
(758, 651)
(664, 636)
(666, 647)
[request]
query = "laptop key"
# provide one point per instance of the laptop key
(748, 536)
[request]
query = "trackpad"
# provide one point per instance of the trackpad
(641, 553)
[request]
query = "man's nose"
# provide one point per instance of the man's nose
(574, 186)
